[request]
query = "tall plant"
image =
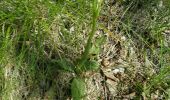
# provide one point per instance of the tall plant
(78, 84)
(83, 64)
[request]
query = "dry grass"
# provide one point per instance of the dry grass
(134, 58)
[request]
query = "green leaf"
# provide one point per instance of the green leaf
(78, 89)
(99, 41)
(91, 65)
(65, 65)
(95, 48)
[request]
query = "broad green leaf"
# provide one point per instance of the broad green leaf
(99, 41)
(95, 47)
(78, 89)
(91, 65)
(94, 50)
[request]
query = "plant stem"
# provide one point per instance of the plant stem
(88, 45)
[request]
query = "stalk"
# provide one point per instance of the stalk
(96, 9)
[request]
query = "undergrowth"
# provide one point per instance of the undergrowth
(46, 47)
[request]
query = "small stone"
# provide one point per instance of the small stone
(118, 70)
(105, 62)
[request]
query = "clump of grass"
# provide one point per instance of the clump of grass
(23, 32)
(28, 43)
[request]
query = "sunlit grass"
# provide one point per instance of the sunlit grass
(35, 34)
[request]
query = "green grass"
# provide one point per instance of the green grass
(45, 44)
(146, 24)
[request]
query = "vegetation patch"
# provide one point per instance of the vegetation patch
(84, 49)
